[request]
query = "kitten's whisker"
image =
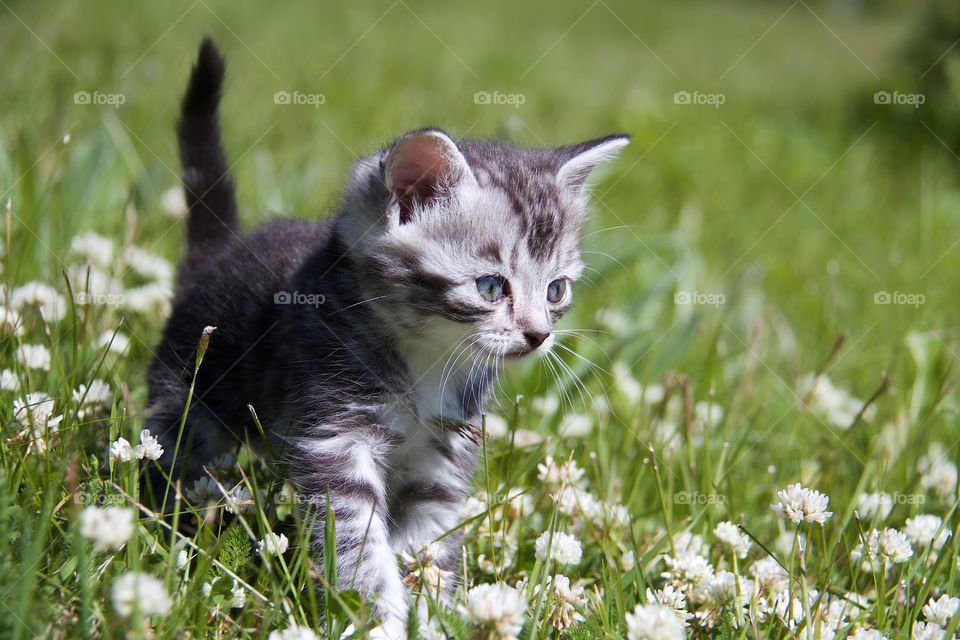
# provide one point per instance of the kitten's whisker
(616, 228)
(357, 304)
(556, 377)
(607, 255)
(577, 383)
(587, 361)
(462, 348)
(579, 333)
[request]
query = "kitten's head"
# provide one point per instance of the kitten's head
(469, 241)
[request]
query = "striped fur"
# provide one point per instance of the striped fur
(351, 390)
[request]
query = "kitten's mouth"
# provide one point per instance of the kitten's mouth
(516, 354)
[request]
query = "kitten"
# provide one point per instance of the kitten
(367, 343)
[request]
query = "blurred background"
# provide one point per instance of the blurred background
(792, 176)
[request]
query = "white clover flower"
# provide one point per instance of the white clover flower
(938, 473)
(546, 405)
(607, 515)
(473, 507)
(273, 545)
(564, 602)
(687, 570)
(922, 529)
(152, 298)
(238, 596)
(240, 500)
(51, 305)
(495, 425)
(871, 505)
(770, 576)
(722, 589)
(928, 631)
(150, 449)
(498, 609)
(673, 599)
(523, 438)
(174, 202)
(785, 542)
(92, 285)
(731, 537)
(139, 592)
(93, 399)
(888, 546)
(294, 632)
(613, 320)
(941, 611)
(708, 414)
(424, 575)
(116, 342)
(121, 451)
(34, 356)
(833, 404)
(798, 504)
(10, 322)
(204, 490)
(224, 464)
(108, 528)
(688, 542)
(575, 425)
(35, 412)
(559, 475)
(9, 381)
(93, 248)
(575, 502)
(148, 265)
(653, 622)
(626, 383)
(561, 547)
(867, 634)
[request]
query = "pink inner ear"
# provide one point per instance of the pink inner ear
(417, 170)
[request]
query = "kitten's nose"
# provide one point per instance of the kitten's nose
(535, 338)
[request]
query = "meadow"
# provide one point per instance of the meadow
(771, 302)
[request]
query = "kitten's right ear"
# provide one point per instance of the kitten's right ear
(422, 167)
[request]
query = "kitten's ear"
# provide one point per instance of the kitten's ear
(421, 167)
(579, 160)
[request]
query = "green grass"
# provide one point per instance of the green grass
(797, 201)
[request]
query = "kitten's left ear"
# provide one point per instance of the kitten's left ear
(580, 160)
(421, 167)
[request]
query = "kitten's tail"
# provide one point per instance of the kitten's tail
(211, 203)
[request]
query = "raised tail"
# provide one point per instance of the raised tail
(211, 203)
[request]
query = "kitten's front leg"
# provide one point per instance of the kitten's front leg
(347, 466)
(432, 481)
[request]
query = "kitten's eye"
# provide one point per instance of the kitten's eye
(491, 288)
(557, 290)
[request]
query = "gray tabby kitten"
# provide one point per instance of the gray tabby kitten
(367, 343)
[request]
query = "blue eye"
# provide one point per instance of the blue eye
(491, 288)
(557, 290)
